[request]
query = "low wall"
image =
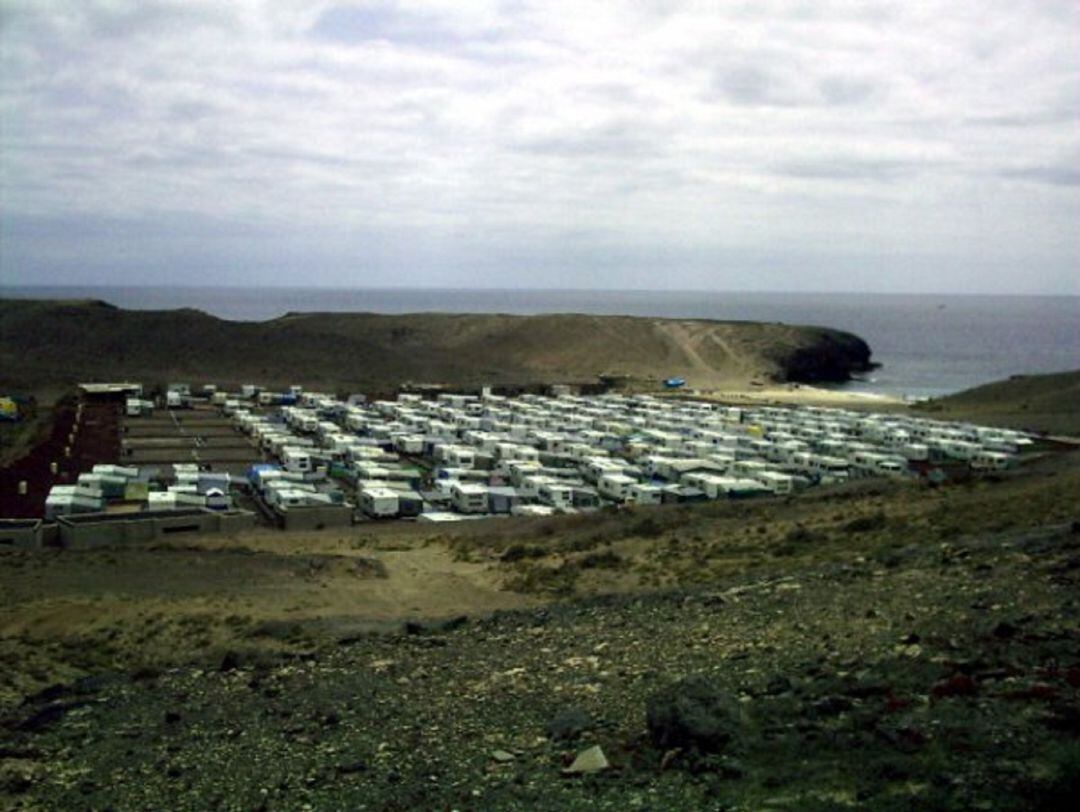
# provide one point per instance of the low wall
(316, 517)
(87, 530)
(233, 521)
(50, 534)
(20, 534)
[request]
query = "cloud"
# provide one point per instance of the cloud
(539, 140)
(846, 168)
(1053, 175)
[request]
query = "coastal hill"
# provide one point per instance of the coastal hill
(49, 343)
(1049, 403)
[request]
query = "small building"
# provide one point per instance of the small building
(642, 494)
(469, 497)
(379, 502)
(503, 499)
(533, 510)
(683, 494)
(556, 494)
(136, 407)
(616, 486)
(585, 498)
(296, 459)
(114, 392)
(20, 534)
(410, 504)
(57, 505)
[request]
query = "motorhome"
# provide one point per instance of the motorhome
(642, 494)
(379, 502)
(990, 461)
(615, 486)
(296, 459)
(556, 494)
(469, 497)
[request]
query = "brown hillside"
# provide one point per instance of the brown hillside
(1048, 403)
(45, 343)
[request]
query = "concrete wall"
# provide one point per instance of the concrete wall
(233, 521)
(317, 517)
(100, 529)
(20, 534)
(50, 534)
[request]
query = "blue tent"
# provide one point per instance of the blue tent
(674, 383)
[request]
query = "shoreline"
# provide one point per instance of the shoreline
(797, 394)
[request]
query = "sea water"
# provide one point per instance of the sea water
(926, 344)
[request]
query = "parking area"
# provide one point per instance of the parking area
(200, 436)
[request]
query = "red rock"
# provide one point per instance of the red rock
(956, 685)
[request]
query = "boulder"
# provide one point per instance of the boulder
(694, 713)
(588, 761)
(568, 724)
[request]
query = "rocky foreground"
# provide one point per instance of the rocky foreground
(934, 675)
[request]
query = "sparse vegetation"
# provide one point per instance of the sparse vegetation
(929, 630)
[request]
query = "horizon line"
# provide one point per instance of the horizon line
(468, 289)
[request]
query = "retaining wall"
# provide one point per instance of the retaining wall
(316, 517)
(87, 530)
(20, 534)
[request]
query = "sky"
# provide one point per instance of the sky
(802, 145)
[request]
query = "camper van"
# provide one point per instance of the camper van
(557, 495)
(379, 502)
(296, 459)
(989, 461)
(641, 494)
(469, 498)
(616, 486)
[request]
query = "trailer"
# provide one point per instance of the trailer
(379, 502)
(555, 494)
(469, 497)
(615, 486)
(641, 494)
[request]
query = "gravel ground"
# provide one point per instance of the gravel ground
(945, 677)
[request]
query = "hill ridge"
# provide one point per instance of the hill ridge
(62, 342)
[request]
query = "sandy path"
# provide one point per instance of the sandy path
(688, 338)
(296, 578)
(803, 395)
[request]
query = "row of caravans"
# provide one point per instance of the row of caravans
(94, 490)
(491, 454)
(182, 396)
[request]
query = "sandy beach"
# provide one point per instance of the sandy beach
(800, 395)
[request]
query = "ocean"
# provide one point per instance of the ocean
(926, 345)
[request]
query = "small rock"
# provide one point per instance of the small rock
(956, 685)
(1005, 630)
(568, 724)
(832, 705)
(778, 685)
(331, 720)
(453, 623)
(588, 761)
(502, 756)
(694, 713)
(730, 768)
(229, 662)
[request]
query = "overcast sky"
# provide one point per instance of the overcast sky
(758, 145)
